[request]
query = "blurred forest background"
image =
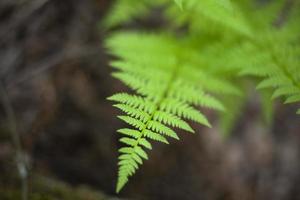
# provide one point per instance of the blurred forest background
(55, 79)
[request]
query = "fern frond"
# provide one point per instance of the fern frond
(154, 67)
(272, 57)
(279, 68)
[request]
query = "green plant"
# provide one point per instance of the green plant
(201, 58)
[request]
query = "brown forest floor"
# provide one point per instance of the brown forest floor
(55, 72)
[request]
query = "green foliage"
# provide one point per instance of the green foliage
(172, 72)
(179, 3)
(123, 11)
(166, 90)
(213, 13)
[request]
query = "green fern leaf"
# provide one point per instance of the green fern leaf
(133, 122)
(172, 120)
(155, 136)
(133, 112)
(145, 143)
(162, 129)
(128, 141)
(134, 101)
(293, 99)
(286, 90)
(165, 95)
(184, 110)
(141, 152)
(130, 132)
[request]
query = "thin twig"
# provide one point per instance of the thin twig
(16, 140)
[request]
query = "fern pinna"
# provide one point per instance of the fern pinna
(167, 86)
